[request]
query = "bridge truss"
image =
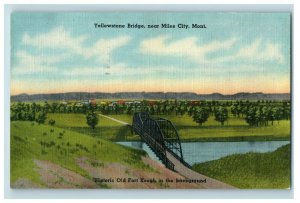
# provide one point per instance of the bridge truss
(161, 136)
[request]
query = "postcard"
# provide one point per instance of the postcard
(150, 100)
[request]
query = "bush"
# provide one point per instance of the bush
(51, 122)
(97, 164)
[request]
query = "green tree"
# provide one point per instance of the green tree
(251, 116)
(221, 115)
(92, 119)
(200, 116)
(234, 110)
(264, 116)
(41, 117)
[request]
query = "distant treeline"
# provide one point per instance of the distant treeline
(255, 113)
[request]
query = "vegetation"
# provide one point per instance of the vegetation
(200, 115)
(58, 132)
(41, 117)
(221, 115)
(255, 113)
(51, 122)
(92, 119)
(30, 142)
(252, 170)
(106, 129)
(234, 129)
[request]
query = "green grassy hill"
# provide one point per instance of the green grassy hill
(30, 141)
(251, 170)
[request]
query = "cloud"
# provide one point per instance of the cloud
(59, 38)
(29, 64)
(63, 46)
(190, 48)
(187, 47)
(260, 51)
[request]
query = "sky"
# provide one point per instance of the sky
(64, 52)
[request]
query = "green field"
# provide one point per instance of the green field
(106, 129)
(251, 170)
(30, 141)
(235, 129)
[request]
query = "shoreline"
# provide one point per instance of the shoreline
(226, 139)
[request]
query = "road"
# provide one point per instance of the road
(113, 119)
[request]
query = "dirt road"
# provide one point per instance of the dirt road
(113, 119)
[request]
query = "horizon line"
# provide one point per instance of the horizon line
(147, 92)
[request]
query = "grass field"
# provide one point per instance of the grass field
(106, 129)
(251, 170)
(235, 129)
(30, 141)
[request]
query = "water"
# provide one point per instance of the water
(198, 152)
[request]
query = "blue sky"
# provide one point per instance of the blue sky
(63, 52)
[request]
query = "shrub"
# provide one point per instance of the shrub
(97, 164)
(51, 122)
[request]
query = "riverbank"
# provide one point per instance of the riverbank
(270, 170)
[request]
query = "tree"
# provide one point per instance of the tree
(128, 109)
(92, 119)
(200, 116)
(221, 115)
(234, 110)
(264, 116)
(251, 116)
(41, 117)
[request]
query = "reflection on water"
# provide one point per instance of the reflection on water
(197, 152)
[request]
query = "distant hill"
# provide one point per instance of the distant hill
(149, 95)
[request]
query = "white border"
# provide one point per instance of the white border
(216, 194)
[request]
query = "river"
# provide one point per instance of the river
(198, 152)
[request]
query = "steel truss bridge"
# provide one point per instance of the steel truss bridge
(161, 136)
